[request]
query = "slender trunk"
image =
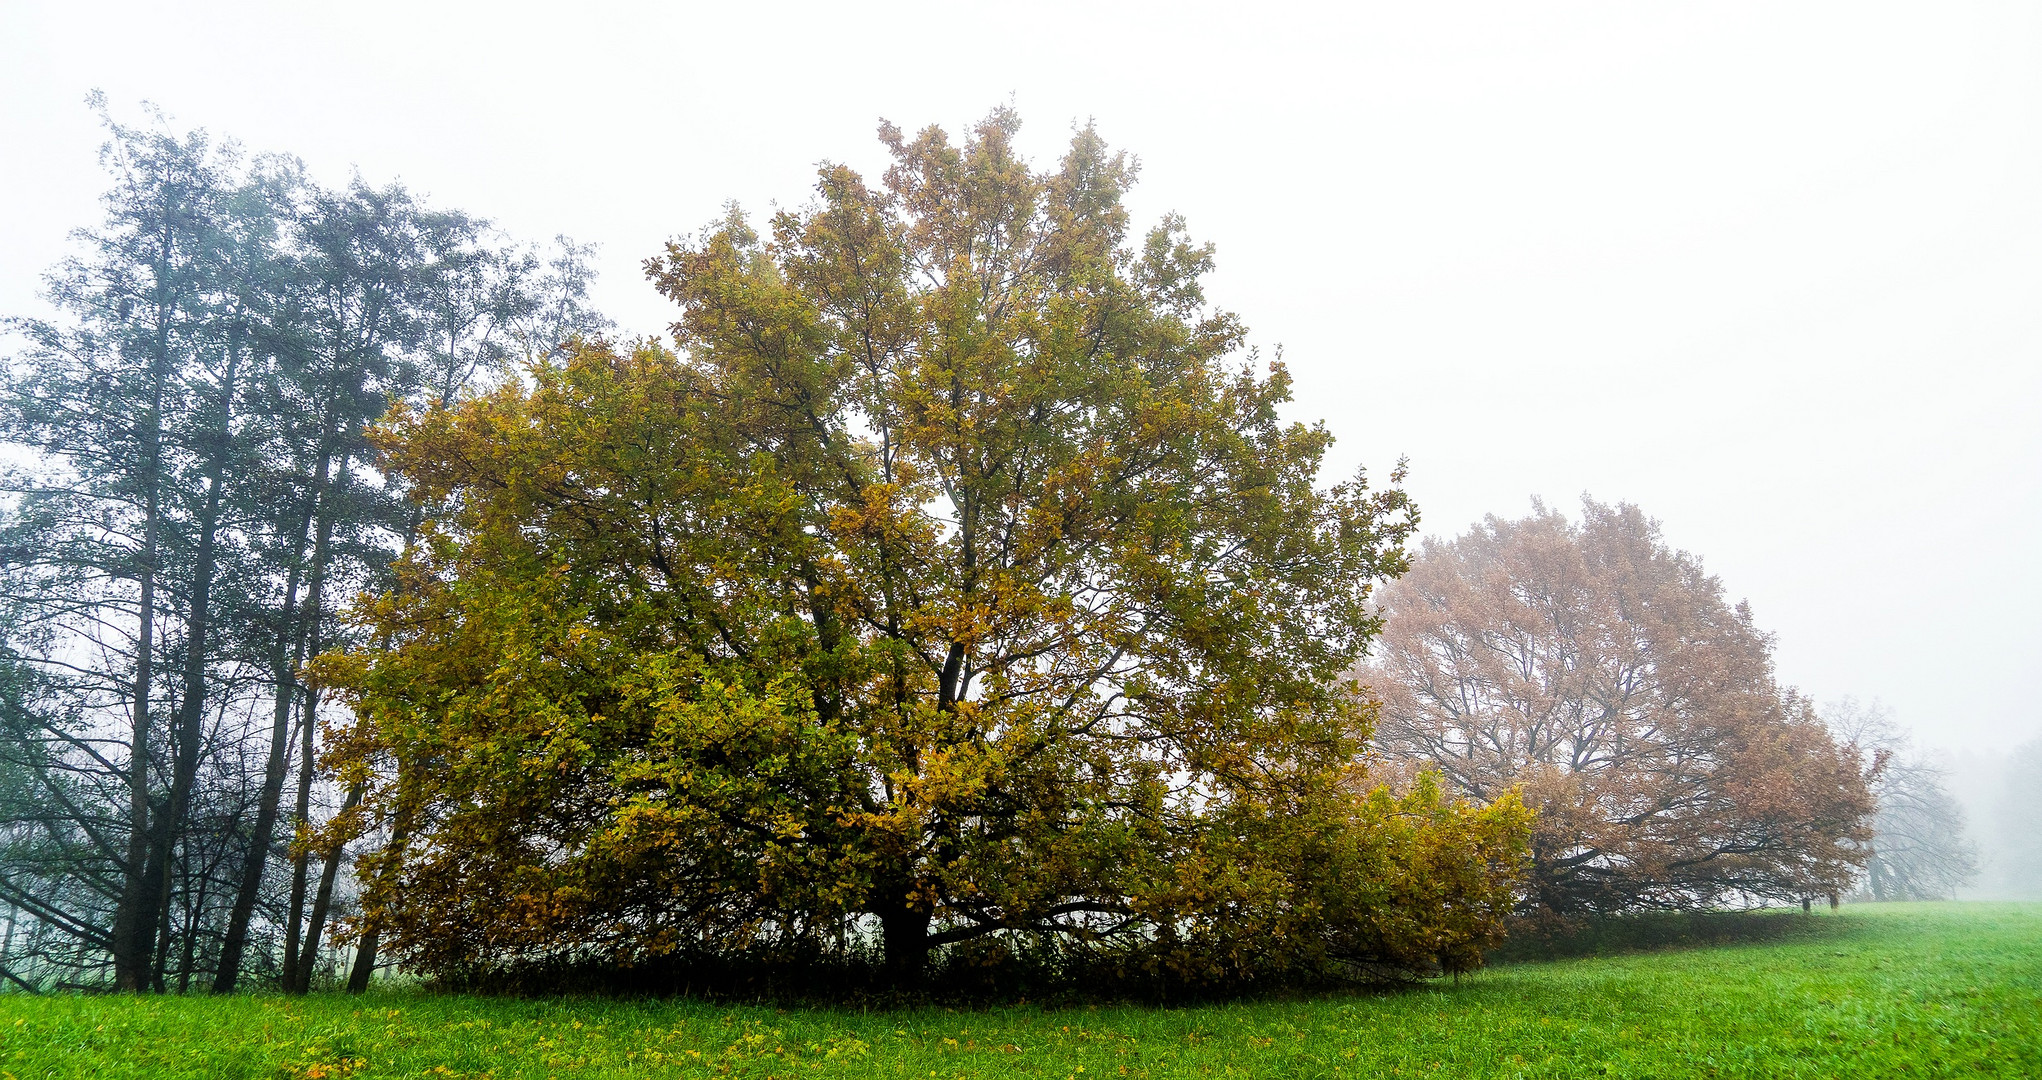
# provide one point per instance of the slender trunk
(130, 958)
(309, 958)
(294, 917)
(365, 960)
(283, 662)
(192, 921)
(297, 960)
(372, 931)
(287, 652)
(190, 724)
(7, 943)
(162, 949)
(134, 918)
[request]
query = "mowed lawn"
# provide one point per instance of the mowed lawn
(1884, 990)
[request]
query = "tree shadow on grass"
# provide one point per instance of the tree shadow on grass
(1536, 938)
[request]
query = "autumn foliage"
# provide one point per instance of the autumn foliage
(951, 589)
(1602, 675)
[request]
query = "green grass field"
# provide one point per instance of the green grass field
(1881, 990)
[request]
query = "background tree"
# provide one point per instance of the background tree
(187, 498)
(122, 434)
(1602, 674)
(957, 581)
(2018, 806)
(1919, 848)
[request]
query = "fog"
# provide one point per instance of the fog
(1769, 271)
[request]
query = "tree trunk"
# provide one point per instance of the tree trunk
(297, 967)
(365, 960)
(193, 921)
(287, 652)
(372, 932)
(904, 927)
(163, 876)
(130, 955)
(294, 916)
(134, 920)
(309, 956)
(198, 626)
(284, 661)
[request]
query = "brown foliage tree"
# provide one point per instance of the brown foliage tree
(1602, 675)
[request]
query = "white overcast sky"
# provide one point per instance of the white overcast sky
(1772, 271)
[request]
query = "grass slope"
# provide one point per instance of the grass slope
(1887, 990)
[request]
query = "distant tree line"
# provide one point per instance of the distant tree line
(189, 503)
(2018, 812)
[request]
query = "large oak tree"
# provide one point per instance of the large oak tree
(956, 578)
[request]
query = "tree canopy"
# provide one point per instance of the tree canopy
(1602, 674)
(953, 582)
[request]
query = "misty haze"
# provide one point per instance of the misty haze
(1298, 540)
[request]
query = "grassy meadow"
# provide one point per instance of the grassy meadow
(1880, 990)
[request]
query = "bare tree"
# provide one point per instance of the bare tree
(1919, 850)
